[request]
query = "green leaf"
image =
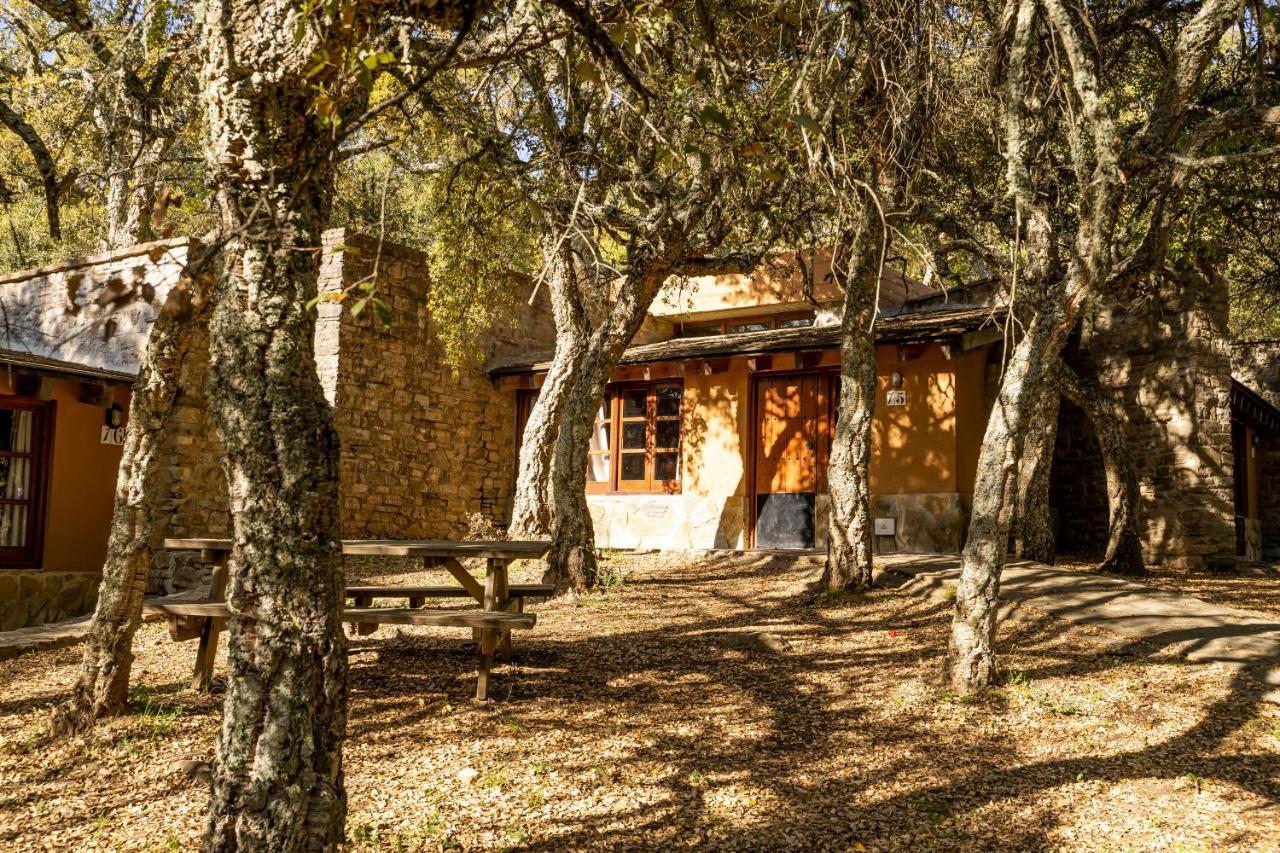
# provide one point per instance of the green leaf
(588, 72)
(711, 115)
(357, 308)
(807, 123)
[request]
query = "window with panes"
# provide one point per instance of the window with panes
(635, 441)
(25, 441)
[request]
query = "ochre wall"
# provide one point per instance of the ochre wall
(924, 446)
(914, 446)
(972, 409)
(716, 431)
(82, 480)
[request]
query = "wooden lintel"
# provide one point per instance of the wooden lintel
(91, 393)
(759, 363)
(709, 366)
(982, 337)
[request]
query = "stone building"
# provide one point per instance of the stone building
(715, 431)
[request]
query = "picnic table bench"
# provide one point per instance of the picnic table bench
(502, 604)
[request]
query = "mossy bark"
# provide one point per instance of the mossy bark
(102, 690)
(278, 783)
(849, 540)
(572, 564)
(532, 508)
(1032, 534)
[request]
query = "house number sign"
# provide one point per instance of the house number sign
(112, 435)
(895, 397)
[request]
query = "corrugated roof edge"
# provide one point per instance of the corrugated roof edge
(53, 366)
(95, 260)
(933, 324)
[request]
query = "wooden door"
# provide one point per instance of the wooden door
(790, 457)
(787, 434)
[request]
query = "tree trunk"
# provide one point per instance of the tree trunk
(103, 687)
(129, 160)
(278, 784)
(971, 660)
(1124, 545)
(849, 540)
(572, 560)
(1032, 535)
(531, 511)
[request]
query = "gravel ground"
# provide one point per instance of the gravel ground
(1255, 589)
(699, 703)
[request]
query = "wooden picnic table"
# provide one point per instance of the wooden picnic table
(502, 605)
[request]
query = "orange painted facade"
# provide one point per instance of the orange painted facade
(929, 444)
(82, 477)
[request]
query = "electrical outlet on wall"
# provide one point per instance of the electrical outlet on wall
(885, 526)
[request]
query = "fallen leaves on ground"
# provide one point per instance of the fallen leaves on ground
(711, 703)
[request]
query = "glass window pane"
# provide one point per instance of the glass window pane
(15, 430)
(632, 466)
(15, 474)
(669, 400)
(598, 468)
(633, 435)
(699, 330)
(667, 434)
(666, 466)
(633, 402)
(795, 323)
(13, 525)
(754, 326)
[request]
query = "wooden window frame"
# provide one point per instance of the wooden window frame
(771, 321)
(615, 484)
(31, 554)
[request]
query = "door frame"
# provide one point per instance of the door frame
(825, 420)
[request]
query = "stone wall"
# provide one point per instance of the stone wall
(668, 522)
(35, 597)
(193, 499)
(925, 523)
(94, 311)
(1078, 487)
(1167, 359)
(424, 444)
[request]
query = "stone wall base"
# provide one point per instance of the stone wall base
(29, 598)
(668, 522)
(928, 523)
(925, 523)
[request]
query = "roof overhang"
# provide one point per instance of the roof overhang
(31, 363)
(1249, 406)
(971, 327)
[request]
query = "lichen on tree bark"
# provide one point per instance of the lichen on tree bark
(532, 508)
(102, 690)
(848, 564)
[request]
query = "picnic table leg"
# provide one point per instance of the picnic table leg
(495, 594)
(515, 605)
(208, 651)
(364, 629)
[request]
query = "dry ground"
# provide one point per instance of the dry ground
(1255, 589)
(649, 718)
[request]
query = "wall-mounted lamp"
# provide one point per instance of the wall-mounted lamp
(896, 379)
(114, 415)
